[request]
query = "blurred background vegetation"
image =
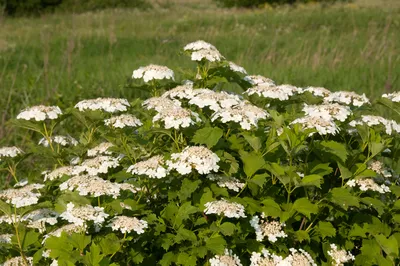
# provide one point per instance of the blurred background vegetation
(64, 53)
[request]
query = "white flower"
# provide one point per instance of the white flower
(109, 105)
(68, 229)
(61, 140)
(176, 117)
(211, 55)
(121, 121)
(347, 97)
(10, 219)
(265, 258)
(328, 111)
(128, 224)
(379, 168)
(153, 72)
(54, 263)
(236, 68)
(5, 238)
(228, 182)
(97, 165)
(297, 258)
(245, 114)
(57, 173)
(130, 187)
(373, 120)
(181, 92)
(259, 80)
(160, 103)
(18, 261)
(340, 256)
(318, 91)
(10, 152)
(79, 215)
(22, 183)
(228, 259)
(214, 100)
(197, 157)
(198, 45)
(268, 90)
(323, 126)
(368, 184)
(22, 197)
(152, 167)
(101, 149)
(394, 97)
(39, 218)
(91, 185)
(226, 208)
(270, 229)
(40, 113)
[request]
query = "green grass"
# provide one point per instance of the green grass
(61, 59)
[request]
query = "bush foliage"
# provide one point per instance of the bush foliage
(199, 173)
(258, 3)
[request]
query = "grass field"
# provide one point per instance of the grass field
(60, 59)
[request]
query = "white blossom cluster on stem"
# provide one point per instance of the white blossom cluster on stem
(185, 91)
(226, 208)
(236, 68)
(214, 100)
(79, 215)
(40, 113)
(9, 152)
(368, 184)
(5, 238)
(269, 90)
(201, 50)
(228, 259)
(328, 111)
(22, 197)
(39, 218)
(373, 120)
(318, 91)
(177, 117)
(227, 181)
(160, 103)
(152, 167)
(57, 173)
(394, 97)
(19, 261)
(60, 140)
(379, 168)
(68, 229)
(258, 80)
(109, 105)
(321, 125)
(122, 121)
(127, 224)
(194, 157)
(96, 165)
(267, 229)
(339, 256)
(347, 97)
(153, 72)
(266, 258)
(101, 149)
(91, 185)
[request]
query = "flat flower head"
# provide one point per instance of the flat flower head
(211, 55)
(198, 45)
(390, 126)
(228, 259)
(299, 258)
(235, 68)
(323, 126)
(185, 91)
(259, 80)
(153, 72)
(270, 90)
(152, 167)
(122, 121)
(22, 197)
(38, 219)
(328, 111)
(160, 103)
(318, 91)
(79, 215)
(19, 261)
(368, 184)
(230, 183)
(40, 113)
(91, 186)
(177, 117)
(109, 105)
(394, 97)
(347, 98)
(57, 173)
(96, 165)
(101, 149)
(339, 256)
(226, 208)
(68, 229)
(266, 228)
(60, 140)
(5, 238)
(214, 100)
(127, 224)
(10, 152)
(266, 258)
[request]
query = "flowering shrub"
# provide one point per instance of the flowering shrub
(197, 173)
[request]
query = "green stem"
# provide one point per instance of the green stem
(19, 239)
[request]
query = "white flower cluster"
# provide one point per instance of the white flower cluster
(228, 259)
(270, 90)
(181, 92)
(5, 238)
(197, 157)
(373, 120)
(265, 258)
(379, 168)
(340, 256)
(79, 215)
(214, 100)
(19, 261)
(368, 184)
(328, 111)
(91, 185)
(22, 197)
(323, 126)
(394, 97)
(160, 103)
(228, 182)
(258, 80)
(128, 224)
(96, 165)
(235, 68)
(68, 229)
(347, 97)
(226, 208)
(57, 173)
(101, 149)
(121, 121)
(60, 140)
(270, 229)
(318, 91)
(245, 114)
(39, 218)
(40, 113)
(202, 50)
(109, 105)
(152, 167)
(176, 117)
(10, 152)
(153, 72)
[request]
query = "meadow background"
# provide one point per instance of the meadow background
(63, 58)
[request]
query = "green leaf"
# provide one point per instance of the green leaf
(344, 172)
(252, 162)
(136, 256)
(187, 188)
(169, 212)
(271, 208)
(343, 198)
(216, 244)
(227, 228)
(311, 180)
(389, 245)
(184, 234)
(5, 208)
(186, 259)
(231, 161)
(80, 241)
(374, 203)
(208, 135)
(93, 258)
(259, 180)
(31, 237)
(254, 141)
(110, 244)
(302, 235)
(183, 213)
(335, 148)
(376, 148)
(304, 206)
(357, 231)
(326, 229)
(321, 169)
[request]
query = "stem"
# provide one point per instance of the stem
(47, 136)
(124, 144)
(98, 201)
(12, 170)
(19, 239)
